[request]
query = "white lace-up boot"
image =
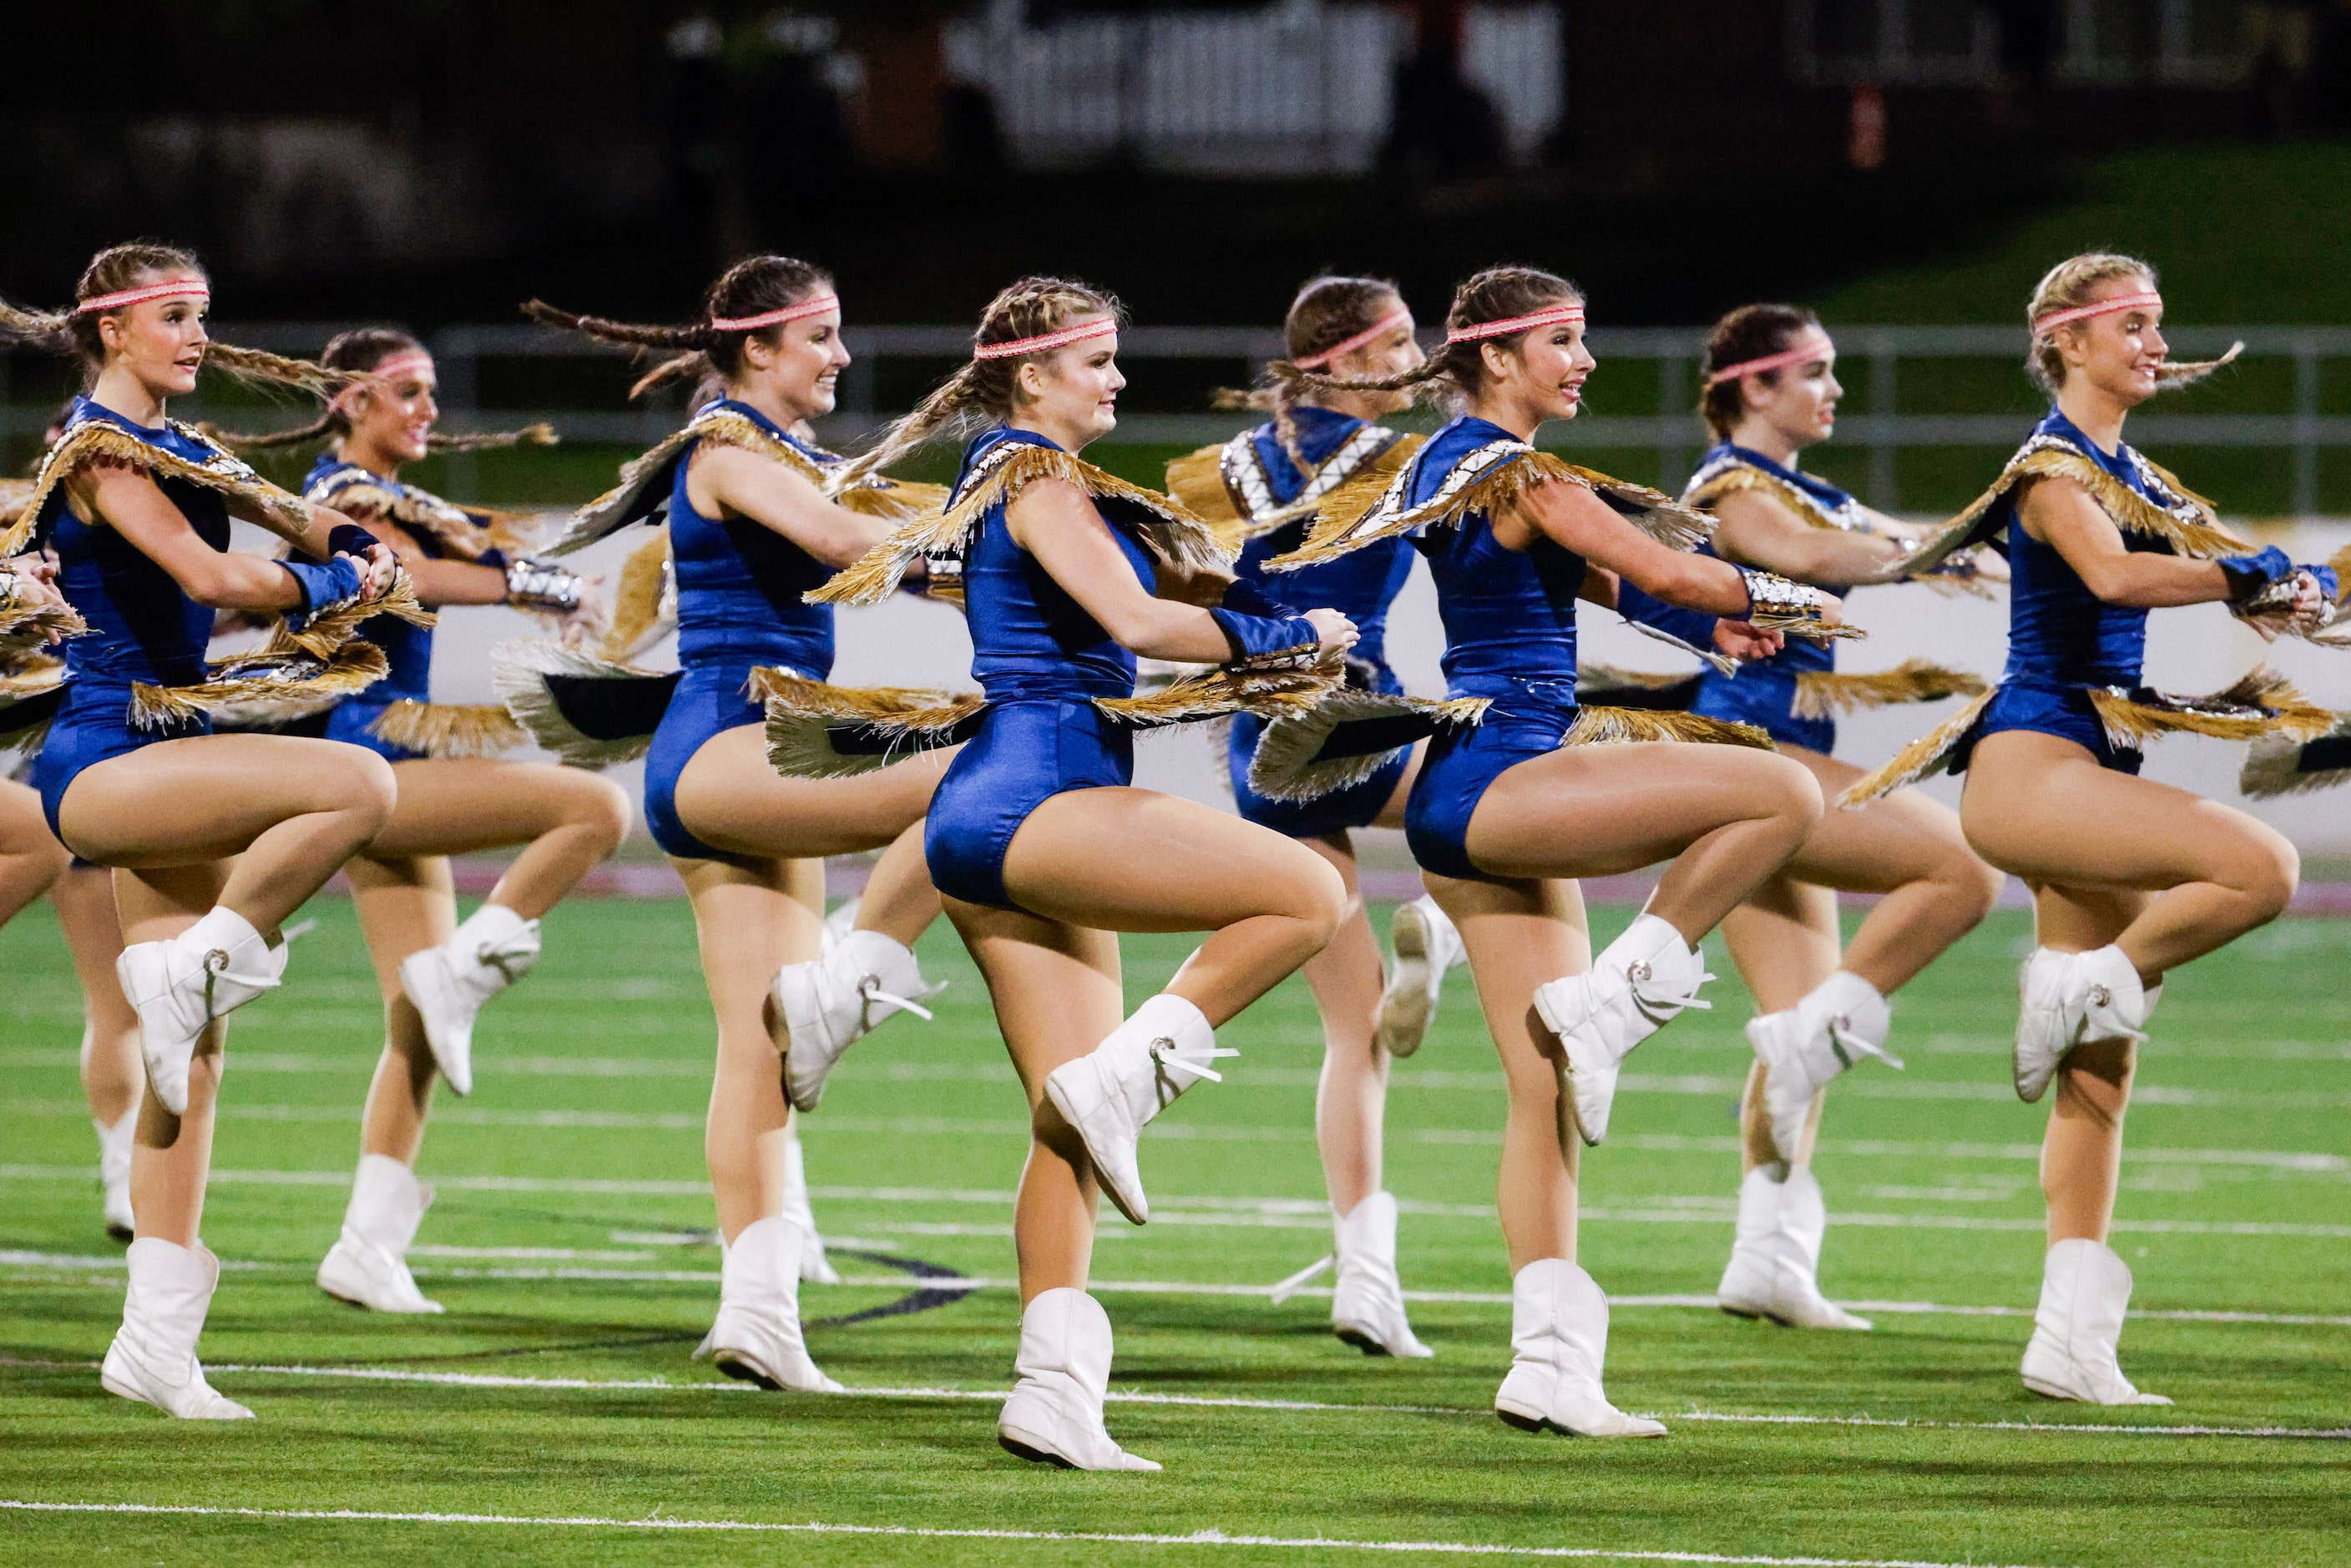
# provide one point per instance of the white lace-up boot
(114, 1171)
(1055, 1413)
(829, 1004)
(153, 1356)
(1559, 1343)
(1367, 1307)
(2067, 999)
(1804, 1048)
(1111, 1093)
(185, 982)
(2085, 1291)
(1636, 986)
(758, 1335)
(1774, 1270)
(1426, 944)
(450, 984)
(816, 1269)
(367, 1265)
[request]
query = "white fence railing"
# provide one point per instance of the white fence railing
(1668, 358)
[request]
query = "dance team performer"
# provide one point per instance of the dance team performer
(1261, 489)
(1038, 840)
(214, 839)
(2130, 878)
(750, 532)
(1509, 808)
(1771, 392)
(455, 798)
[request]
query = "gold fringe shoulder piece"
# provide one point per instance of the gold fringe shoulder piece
(98, 440)
(1824, 693)
(1629, 726)
(1610, 686)
(2260, 703)
(1182, 539)
(892, 500)
(1266, 694)
(1488, 479)
(277, 675)
(590, 712)
(1347, 737)
(645, 478)
(1729, 475)
(2189, 523)
(816, 730)
(2281, 765)
(644, 601)
(360, 495)
(449, 729)
(1349, 482)
(1923, 759)
(1196, 482)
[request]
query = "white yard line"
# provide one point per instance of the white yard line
(1203, 1537)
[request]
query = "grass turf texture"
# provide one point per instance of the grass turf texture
(591, 1078)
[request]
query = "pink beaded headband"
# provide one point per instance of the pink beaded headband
(2042, 325)
(181, 289)
(1103, 327)
(1395, 317)
(405, 363)
(1555, 316)
(1814, 347)
(816, 307)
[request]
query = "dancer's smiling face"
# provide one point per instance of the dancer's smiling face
(1540, 377)
(2120, 353)
(1071, 394)
(1798, 402)
(796, 365)
(395, 414)
(158, 341)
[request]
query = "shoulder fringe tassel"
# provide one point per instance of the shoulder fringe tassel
(30, 690)
(465, 532)
(278, 673)
(1267, 693)
(533, 676)
(816, 730)
(644, 601)
(2201, 538)
(449, 729)
(330, 629)
(1350, 482)
(1628, 725)
(30, 626)
(1179, 536)
(279, 511)
(2282, 765)
(1509, 470)
(1347, 738)
(2259, 703)
(1196, 482)
(1824, 693)
(1945, 576)
(1923, 759)
(619, 506)
(1610, 686)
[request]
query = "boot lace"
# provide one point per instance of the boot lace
(2102, 1019)
(494, 955)
(216, 970)
(1846, 1044)
(1658, 999)
(1166, 1060)
(870, 991)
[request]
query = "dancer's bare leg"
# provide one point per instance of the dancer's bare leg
(1521, 935)
(405, 905)
(1057, 992)
(732, 800)
(173, 1154)
(1351, 1098)
(31, 858)
(749, 922)
(1268, 903)
(899, 900)
(568, 821)
(112, 1073)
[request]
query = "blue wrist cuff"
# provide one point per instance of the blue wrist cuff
(2249, 574)
(493, 557)
(323, 587)
(2327, 584)
(1246, 597)
(349, 539)
(1263, 641)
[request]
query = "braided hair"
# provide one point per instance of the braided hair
(1329, 310)
(751, 287)
(985, 387)
(2074, 282)
(359, 351)
(1455, 371)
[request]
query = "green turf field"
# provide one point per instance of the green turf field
(568, 1245)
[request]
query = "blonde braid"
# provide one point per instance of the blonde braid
(2070, 283)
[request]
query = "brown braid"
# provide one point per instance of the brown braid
(750, 288)
(353, 356)
(1328, 310)
(1453, 374)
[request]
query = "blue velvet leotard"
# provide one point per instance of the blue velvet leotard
(407, 647)
(1360, 586)
(1509, 635)
(1041, 660)
(2062, 638)
(1763, 692)
(143, 628)
(738, 606)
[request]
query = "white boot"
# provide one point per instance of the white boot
(1804, 1048)
(1367, 1308)
(758, 1335)
(2068, 999)
(816, 1269)
(1775, 1262)
(183, 983)
(449, 984)
(153, 1356)
(1633, 989)
(367, 1265)
(827, 1005)
(2085, 1290)
(1055, 1413)
(1559, 1342)
(114, 1171)
(837, 928)
(1426, 944)
(1109, 1094)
